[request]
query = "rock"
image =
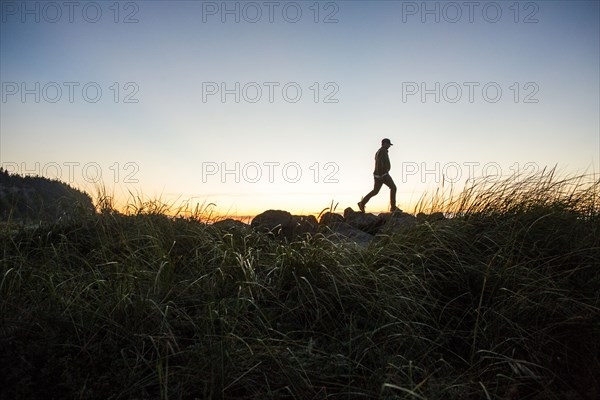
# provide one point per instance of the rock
(436, 216)
(231, 225)
(396, 222)
(331, 218)
(275, 221)
(367, 222)
(348, 211)
(354, 226)
(302, 224)
(282, 223)
(344, 231)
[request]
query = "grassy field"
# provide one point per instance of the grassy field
(501, 301)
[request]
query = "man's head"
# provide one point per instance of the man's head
(386, 143)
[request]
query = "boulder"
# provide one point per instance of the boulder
(346, 232)
(436, 216)
(275, 221)
(282, 223)
(331, 218)
(231, 225)
(366, 222)
(396, 222)
(302, 224)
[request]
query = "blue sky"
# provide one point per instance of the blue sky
(177, 139)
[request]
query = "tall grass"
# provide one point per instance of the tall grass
(516, 194)
(500, 302)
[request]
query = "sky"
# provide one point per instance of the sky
(282, 105)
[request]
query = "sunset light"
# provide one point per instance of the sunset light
(254, 105)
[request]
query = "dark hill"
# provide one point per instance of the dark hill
(31, 199)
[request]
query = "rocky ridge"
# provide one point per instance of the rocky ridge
(353, 226)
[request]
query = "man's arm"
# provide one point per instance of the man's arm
(382, 162)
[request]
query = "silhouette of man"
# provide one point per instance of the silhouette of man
(381, 176)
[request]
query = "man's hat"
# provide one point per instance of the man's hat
(386, 140)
